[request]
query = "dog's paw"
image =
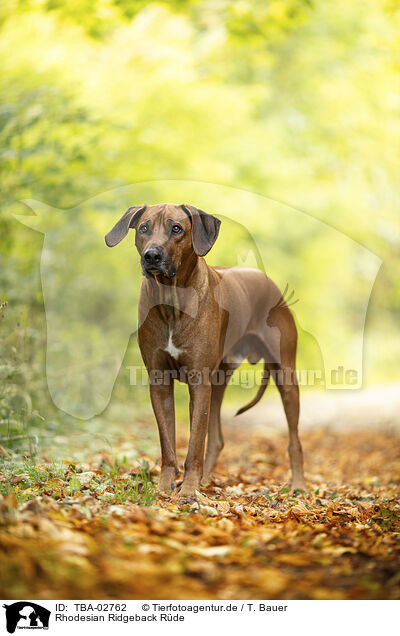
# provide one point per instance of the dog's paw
(189, 490)
(166, 485)
(185, 501)
(298, 485)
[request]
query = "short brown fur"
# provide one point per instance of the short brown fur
(199, 321)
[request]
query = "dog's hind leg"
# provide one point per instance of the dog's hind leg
(284, 340)
(289, 391)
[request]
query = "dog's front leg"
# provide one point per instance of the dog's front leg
(162, 399)
(200, 398)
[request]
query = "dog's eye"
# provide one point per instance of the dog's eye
(143, 228)
(176, 229)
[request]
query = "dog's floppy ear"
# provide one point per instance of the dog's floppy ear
(205, 229)
(120, 230)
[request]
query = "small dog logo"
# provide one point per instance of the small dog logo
(26, 615)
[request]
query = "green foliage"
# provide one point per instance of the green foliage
(74, 485)
(30, 474)
(388, 520)
(141, 490)
(293, 99)
(28, 479)
(19, 382)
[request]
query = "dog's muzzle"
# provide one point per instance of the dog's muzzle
(154, 261)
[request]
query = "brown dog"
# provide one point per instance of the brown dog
(198, 323)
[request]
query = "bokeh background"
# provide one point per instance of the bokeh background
(293, 100)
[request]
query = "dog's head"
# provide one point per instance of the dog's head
(166, 235)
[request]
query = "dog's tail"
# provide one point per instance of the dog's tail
(260, 392)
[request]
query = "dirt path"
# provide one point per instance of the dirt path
(376, 408)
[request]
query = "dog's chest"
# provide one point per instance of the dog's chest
(170, 348)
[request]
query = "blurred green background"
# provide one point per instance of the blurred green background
(295, 100)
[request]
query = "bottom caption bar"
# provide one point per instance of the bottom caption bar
(286, 616)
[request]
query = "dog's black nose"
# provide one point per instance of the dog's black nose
(153, 255)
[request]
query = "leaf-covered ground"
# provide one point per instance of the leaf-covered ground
(98, 529)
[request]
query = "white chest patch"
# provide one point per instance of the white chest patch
(171, 349)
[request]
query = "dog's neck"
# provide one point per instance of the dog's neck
(182, 293)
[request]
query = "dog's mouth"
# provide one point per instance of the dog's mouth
(150, 271)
